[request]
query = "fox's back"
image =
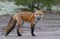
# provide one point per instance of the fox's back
(26, 16)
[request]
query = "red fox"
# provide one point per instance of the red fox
(22, 17)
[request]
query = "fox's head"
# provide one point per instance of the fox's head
(38, 14)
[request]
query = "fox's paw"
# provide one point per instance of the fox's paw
(33, 35)
(19, 34)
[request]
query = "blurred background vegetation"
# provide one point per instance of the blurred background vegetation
(38, 4)
(12, 6)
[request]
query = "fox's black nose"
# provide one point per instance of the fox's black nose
(39, 18)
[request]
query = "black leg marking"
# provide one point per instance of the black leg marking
(18, 33)
(32, 30)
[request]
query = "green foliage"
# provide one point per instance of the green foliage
(41, 3)
(23, 2)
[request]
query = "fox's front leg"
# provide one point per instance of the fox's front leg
(32, 28)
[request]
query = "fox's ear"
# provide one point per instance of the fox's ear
(37, 11)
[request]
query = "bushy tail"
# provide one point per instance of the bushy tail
(10, 26)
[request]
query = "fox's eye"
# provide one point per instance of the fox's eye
(40, 14)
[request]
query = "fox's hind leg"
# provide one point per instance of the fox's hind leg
(21, 28)
(19, 22)
(18, 33)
